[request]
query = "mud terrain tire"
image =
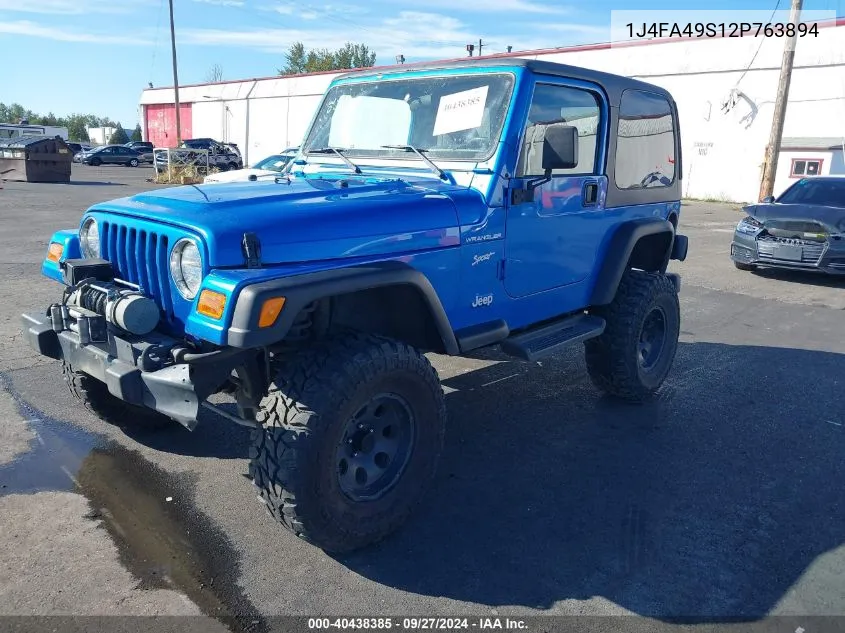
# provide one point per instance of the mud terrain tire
(633, 356)
(325, 465)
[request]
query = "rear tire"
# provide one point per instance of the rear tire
(95, 396)
(745, 267)
(353, 431)
(633, 356)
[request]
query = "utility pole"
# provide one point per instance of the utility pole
(479, 46)
(175, 78)
(773, 148)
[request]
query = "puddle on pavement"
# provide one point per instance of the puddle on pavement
(164, 544)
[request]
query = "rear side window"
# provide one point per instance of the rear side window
(645, 142)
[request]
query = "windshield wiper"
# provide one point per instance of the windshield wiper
(426, 159)
(335, 150)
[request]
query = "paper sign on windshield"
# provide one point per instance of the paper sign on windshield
(460, 111)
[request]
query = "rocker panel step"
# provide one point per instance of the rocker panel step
(548, 339)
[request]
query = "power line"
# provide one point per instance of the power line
(158, 33)
(757, 52)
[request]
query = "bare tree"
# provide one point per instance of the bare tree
(215, 74)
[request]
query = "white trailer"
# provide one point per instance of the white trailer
(14, 130)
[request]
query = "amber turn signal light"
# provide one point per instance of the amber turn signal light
(211, 304)
(270, 311)
(54, 254)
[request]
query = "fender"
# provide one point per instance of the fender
(618, 254)
(301, 290)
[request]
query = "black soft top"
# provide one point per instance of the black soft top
(613, 85)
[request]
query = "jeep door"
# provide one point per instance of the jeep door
(554, 231)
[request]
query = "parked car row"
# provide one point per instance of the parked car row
(221, 156)
(112, 155)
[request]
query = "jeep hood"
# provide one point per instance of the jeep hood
(306, 219)
(799, 217)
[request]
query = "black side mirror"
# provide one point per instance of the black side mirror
(768, 199)
(560, 147)
(550, 146)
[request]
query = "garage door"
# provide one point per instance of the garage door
(160, 120)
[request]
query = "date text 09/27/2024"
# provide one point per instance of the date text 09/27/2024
(721, 29)
(418, 623)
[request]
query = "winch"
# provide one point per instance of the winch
(126, 308)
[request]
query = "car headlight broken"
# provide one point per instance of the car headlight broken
(749, 226)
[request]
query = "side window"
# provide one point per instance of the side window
(645, 142)
(805, 167)
(573, 106)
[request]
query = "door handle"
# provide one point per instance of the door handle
(590, 194)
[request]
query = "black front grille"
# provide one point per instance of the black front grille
(811, 251)
(139, 257)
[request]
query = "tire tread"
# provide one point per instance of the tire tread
(327, 373)
(610, 367)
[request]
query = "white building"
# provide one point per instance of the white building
(100, 135)
(725, 106)
(802, 157)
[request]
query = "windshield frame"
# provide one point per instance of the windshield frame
(403, 156)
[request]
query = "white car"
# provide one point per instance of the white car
(266, 169)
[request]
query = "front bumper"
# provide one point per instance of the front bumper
(134, 370)
(790, 254)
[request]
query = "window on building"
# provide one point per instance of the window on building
(573, 106)
(805, 167)
(645, 141)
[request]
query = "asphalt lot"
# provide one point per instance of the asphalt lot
(722, 499)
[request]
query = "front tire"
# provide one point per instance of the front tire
(633, 356)
(96, 162)
(133, 162)
(95, 396)
(353, 431)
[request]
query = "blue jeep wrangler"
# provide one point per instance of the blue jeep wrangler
(431, 208)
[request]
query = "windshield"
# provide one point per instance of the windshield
(273, 163)
(823, 192)
(449, 117)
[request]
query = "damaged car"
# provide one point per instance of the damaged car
(803, 229)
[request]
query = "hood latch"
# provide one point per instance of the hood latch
(251, 247)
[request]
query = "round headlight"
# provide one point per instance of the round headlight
(89, 238)
(186, 268)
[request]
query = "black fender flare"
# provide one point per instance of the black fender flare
(618, 254)
(301, 290)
